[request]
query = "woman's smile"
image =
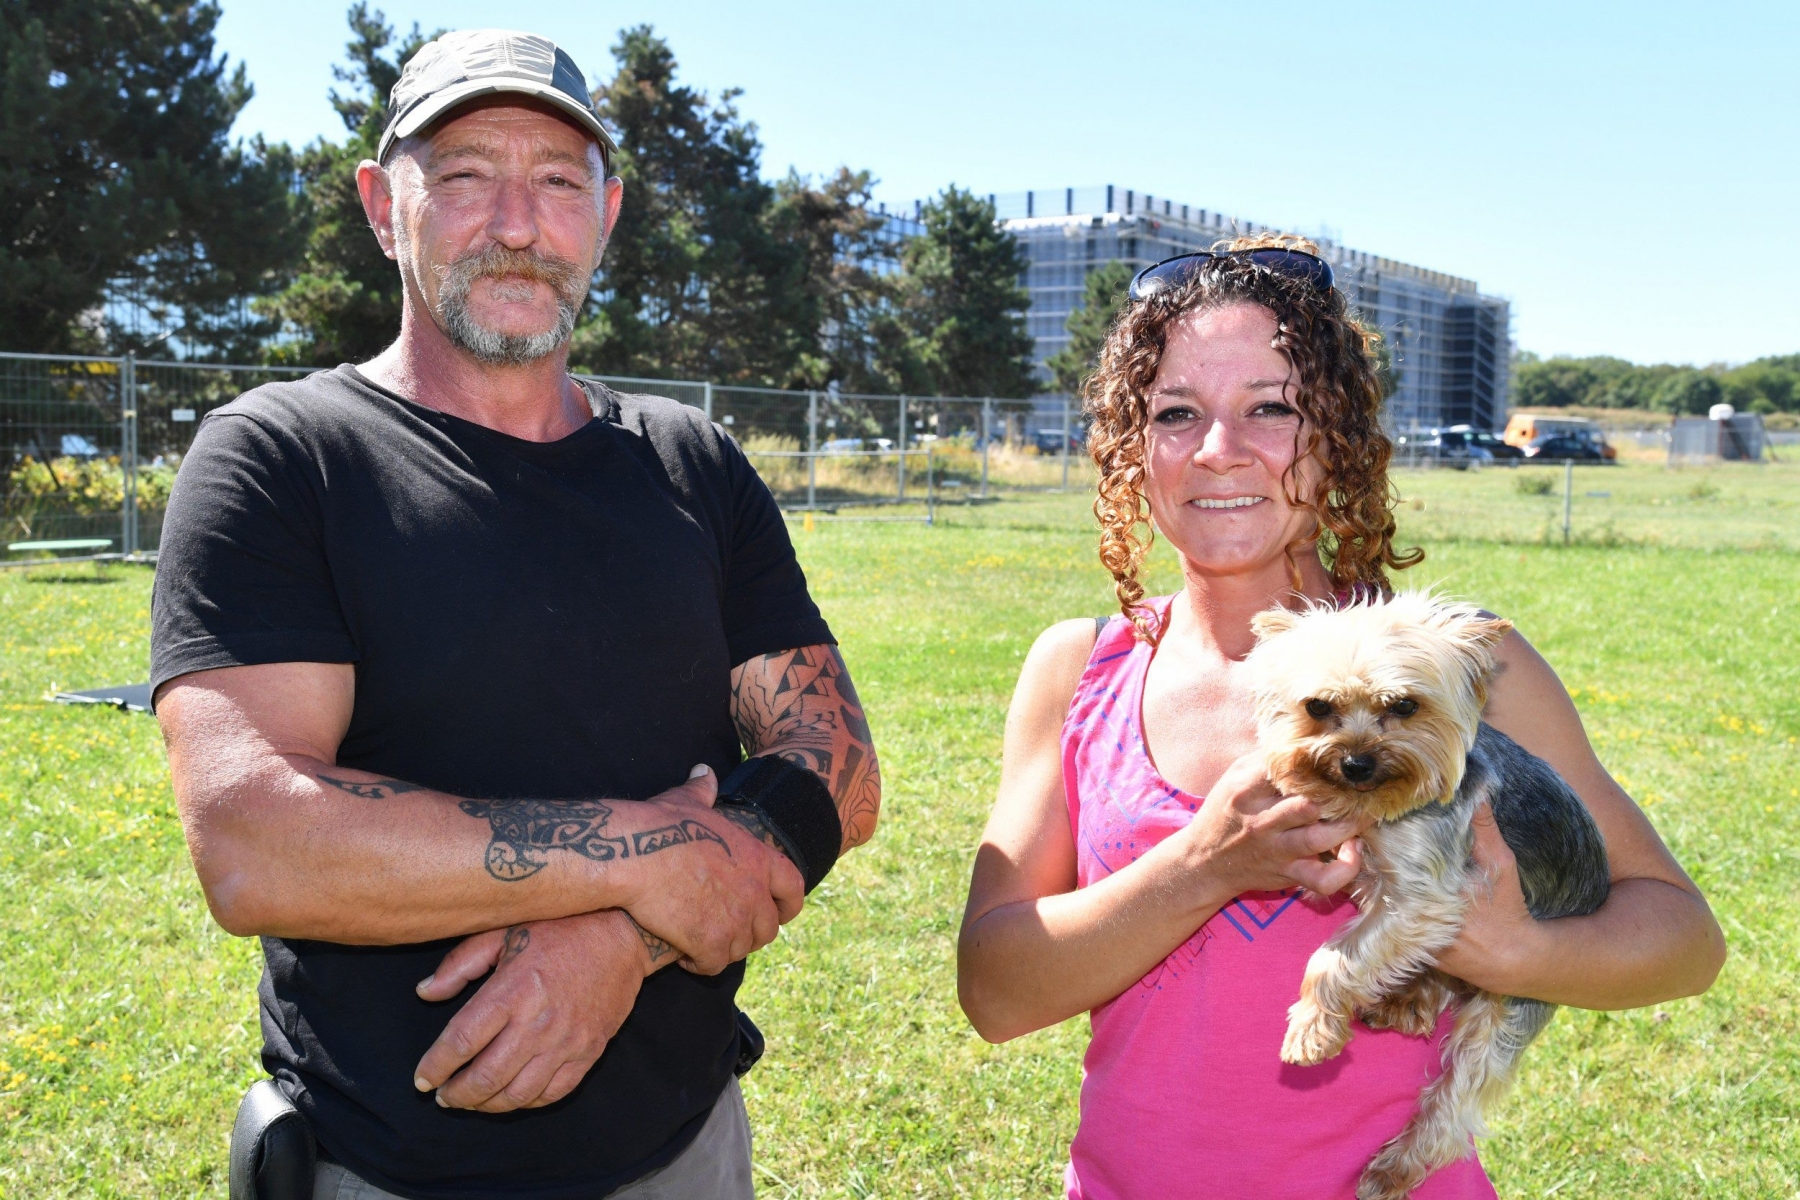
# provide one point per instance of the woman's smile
(1227, 502)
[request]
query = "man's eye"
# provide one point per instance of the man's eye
(1318, 710)
(1404, 708)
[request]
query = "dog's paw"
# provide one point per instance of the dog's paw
(1313, 1035)
(1414, 1011)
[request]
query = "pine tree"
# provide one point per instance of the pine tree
(115, 165)
(1102, 295)
(695, 283)
(850, 301)
(344, 304)
(964, 302)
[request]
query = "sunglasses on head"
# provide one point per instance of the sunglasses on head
(1173, 272)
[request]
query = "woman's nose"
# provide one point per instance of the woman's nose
(1219, 444)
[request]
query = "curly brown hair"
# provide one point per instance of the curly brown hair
(1338, 392)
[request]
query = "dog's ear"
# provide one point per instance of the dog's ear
(1474, 636)
(1487, 630)
(1270, 622)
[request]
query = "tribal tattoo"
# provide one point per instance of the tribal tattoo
(524, 831)
(517, 939)
(751, 822)
(800, 705)
(380, 789)
(659, 950)
(652, 840)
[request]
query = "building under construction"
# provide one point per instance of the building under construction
(1450, 344)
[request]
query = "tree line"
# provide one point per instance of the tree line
(130, 221)
(1767, 385)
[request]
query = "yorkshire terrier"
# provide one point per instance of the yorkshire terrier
(1374, 709)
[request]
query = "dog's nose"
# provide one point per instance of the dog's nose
(1358, 768)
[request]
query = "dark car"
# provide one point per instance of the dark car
(1564, 446)
(1050, 441)
(1493, 443)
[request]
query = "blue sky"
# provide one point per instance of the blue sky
(1626, 174)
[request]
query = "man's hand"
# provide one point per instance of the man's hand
(719, 900)
(559, 992)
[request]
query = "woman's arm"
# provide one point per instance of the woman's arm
(1654, 939)
(1035, 950)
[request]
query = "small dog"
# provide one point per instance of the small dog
(1374, 709)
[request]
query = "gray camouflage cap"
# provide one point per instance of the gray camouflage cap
(461, 66)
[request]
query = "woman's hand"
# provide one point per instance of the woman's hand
(1249, 838)
(1498, 931)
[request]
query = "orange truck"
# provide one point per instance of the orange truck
(1524, 428)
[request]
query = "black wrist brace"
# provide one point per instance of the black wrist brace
(795, 806)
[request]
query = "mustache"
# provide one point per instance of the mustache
(500, 263)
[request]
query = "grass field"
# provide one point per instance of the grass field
(127, 1019)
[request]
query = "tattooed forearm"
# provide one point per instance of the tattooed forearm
(525, 831)
(379, 789)
(801, 706)
(660, 951)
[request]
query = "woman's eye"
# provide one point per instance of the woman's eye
(1274, 409)
(1318, 710)
(1174, 416)
(1404, 708)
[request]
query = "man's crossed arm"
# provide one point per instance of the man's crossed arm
(582, 899)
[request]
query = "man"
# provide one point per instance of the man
(439, 641)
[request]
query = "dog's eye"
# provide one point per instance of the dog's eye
(1404, 708)
(1318, 709)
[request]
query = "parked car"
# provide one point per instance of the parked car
(1050, 441)
(1524, 429)
(1561, 446)
(1444, 447)
(1493, 443)
(853, 445)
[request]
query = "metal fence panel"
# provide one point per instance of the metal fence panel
(61, 443)
(89, 446)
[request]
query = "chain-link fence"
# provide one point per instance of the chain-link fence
(89, 446)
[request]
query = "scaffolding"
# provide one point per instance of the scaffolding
(1450, 344)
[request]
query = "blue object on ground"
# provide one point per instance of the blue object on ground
(130, 697)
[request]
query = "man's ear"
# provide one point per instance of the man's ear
(612, 203)
(377, 194)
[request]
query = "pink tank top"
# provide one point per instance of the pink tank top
(1183, 1090)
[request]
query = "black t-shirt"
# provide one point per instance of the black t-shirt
(526, 619)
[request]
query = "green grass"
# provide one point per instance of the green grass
(127, 1025)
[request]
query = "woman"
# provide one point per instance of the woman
(1138, 865)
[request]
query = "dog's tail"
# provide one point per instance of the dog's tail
(1481, 1059)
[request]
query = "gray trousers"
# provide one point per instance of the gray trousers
(715, 1166)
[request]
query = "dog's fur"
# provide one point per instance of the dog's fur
(1422, 773)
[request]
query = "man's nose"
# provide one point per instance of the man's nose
(513, 223)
